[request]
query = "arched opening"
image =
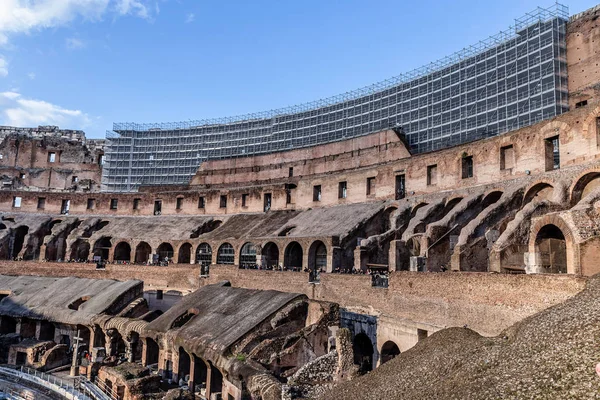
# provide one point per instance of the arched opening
(541, 191)
(363, 353)
(317, 259)
(122, 252)
(584, 186)
(491, 198)
(389, 350)
(151, 351)
(205, 228)
(200, 373)
(80, 250)
(204, 257)
(216, 380)
(165, 252)
(417, 208)
(292, 257)
(18, 241)
(183, 374)
(552, 248)
(270, 256)
(185, 254)
(142, 253)
(248, 256)
(225, 254)
(102, 248)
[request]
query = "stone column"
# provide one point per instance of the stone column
(192, 381)
(392, 259)
(360, 261)
(208, 380)
(42, 255)
(533, 263)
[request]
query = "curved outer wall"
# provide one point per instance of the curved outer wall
(513, 80)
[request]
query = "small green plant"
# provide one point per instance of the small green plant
(240, 357)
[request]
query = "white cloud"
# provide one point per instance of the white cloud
(31, 75)
(190, 18)
(15, 110)
(3, 66)
(74, 43)
(24, 16)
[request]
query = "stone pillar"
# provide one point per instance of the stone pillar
(38, 329)
(132, 255)
(533, 263)
(392, 259)
(417, 264)
(93, 334)
(208, 380)
(455, 259)
(495, 261)
(334, 260)
(144, 344)
(192, 381)
(42, 255)
(360, 260)
(111, 254)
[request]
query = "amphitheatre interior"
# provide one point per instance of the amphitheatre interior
(287, 270)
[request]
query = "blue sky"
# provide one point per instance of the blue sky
(84, 64)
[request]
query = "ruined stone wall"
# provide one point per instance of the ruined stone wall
(496, 161)
(583, 38)
(41, 162)
(183, 278)
(486, 303)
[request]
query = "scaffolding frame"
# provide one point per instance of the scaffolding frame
(510, 80)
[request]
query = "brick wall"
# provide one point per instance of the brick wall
(487, 303)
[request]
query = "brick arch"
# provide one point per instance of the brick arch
(530, 190)
(554, 127)
(128, 242)
(579, 184)
(573, 262)
(591, 118)
(176, 251)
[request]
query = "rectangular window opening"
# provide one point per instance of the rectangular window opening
(179, 203)
(291, 172)
(245, 200)
(201, 202)
(343, 190)
(432, 175)
(223, 201)
(370, 186)
(267, 202)
(467, 167)
(65, 206)
(581, 104)
(16, 201)
(157, 207)
(136, 204)
(400, 187)
(41, 203)
(91, 204)
(114, 204)
(52, 157)
(552, 155)
(317, 193)
(507, 157)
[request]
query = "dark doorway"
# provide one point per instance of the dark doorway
(363, 353)
(389, 351)
(292, 258)
(400, 187)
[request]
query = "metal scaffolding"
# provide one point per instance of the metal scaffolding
(513, 79)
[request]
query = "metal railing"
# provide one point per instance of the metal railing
(53, 383)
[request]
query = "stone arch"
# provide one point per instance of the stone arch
(583, 185)
(491, 197)
(554, 127)
(204, 257)
(547, 228)
(292, 257)
(184, 255)
(122, 252)
(165, 250)
(416, 208)
(363, 352)
(248, 255)
(80, 250)
(142, 252)
(18, 241)
(226, 254)
(590, 122)
(317, 256)
(270, 255)
(184, 363)
(102, 247)
(389, 350)
(541, 190)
